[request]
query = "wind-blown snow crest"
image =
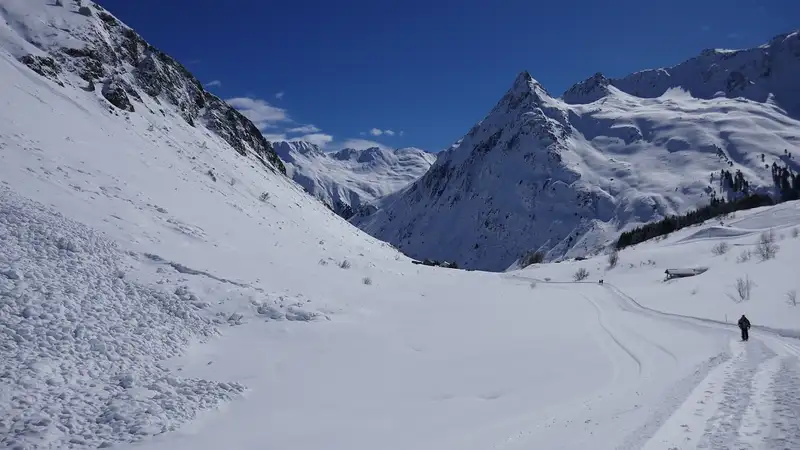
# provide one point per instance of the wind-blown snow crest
(563, 176)
(349, 181)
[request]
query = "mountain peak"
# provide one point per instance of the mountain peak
(523, 79)
(285, 149)
(588, 90)
(526, 84)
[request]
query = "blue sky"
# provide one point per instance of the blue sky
(421, 73)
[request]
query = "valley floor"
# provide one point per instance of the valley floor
(571, 366)
(428, 358)
(511, 361)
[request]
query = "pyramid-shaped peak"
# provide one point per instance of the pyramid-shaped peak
(588, 90)
(523, 79)
(525, 83)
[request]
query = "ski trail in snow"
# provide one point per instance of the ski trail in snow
(685, 427)
(785, 387)
(756, 419)
(607, 330)
(735, 394)
(750, 401)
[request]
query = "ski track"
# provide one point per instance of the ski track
(746, 398)
(757, 405)
(601, 320)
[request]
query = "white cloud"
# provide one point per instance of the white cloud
(213, 83)
(280, 95)
(360, 144)
(402, 132)
(378, 132)
(260, 112)
(275, 137)
(318, 139)
(275, 124)
(303, 129)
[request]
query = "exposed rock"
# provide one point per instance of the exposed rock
(115, 93)
(44, 66)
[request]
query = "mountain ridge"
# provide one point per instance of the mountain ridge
(349, 181)
(91, 46)
(743, 69)
(563, 176)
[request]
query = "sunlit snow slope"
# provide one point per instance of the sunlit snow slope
(749, 400)
(564, 175)
(187, 232)
(160, 290)
(349, 180)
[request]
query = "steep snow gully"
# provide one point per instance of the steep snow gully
(745, 397)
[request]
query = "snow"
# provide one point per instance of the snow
(350, 180)
(81, 343)
(146, 304)
(563, 176)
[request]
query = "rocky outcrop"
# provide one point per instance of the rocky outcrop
(44, 66)
(114, 92)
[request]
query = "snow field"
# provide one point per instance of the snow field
(81, 343)
(205, 302)
(713, 294)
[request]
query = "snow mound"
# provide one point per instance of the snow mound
(715, 233)
(81, 343)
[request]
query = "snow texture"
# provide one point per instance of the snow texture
(160, 290)
(349, 180)
(81, 343)
(564, 176)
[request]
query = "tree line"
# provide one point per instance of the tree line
(787, 186)
(667, 225)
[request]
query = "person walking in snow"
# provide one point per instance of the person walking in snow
(744, 325)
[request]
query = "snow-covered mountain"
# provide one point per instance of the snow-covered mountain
(349, 180)
(138, 218)
(80, 44)
(159, 290)
(565, 175)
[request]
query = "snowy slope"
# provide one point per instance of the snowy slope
(565, 175)
(350, 180)
(749, 400)
(168, 234)
(529, 359)
(87, 47)
(159, 290)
